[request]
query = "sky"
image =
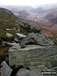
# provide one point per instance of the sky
(26, 2)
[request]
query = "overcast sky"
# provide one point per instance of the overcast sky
(27, 2)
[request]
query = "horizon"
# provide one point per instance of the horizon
(27, 2)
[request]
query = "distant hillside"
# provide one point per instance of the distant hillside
(52, 18)
(37, 10)
(44, 17)
(7, 18)
(46, 14)
(23, 14)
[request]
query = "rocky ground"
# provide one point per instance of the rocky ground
(22, 35)
(30, 35)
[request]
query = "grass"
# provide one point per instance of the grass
(2, 33)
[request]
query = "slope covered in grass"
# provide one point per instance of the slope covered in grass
(7, 19)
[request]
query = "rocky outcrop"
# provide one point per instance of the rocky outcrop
(25, 72)
(28, 28)
(34, 36)
(38, 39)
(5, 70)
(30, 48)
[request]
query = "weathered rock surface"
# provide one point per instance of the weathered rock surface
(25, 72)
(27, 28)
(5, 70)
(38, 39)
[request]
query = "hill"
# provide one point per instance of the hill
(7, 18)
(23, 14)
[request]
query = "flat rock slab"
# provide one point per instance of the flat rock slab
(24, 72)
(5, 70)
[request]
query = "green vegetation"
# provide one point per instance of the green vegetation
(7, 19)
(2, 33)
